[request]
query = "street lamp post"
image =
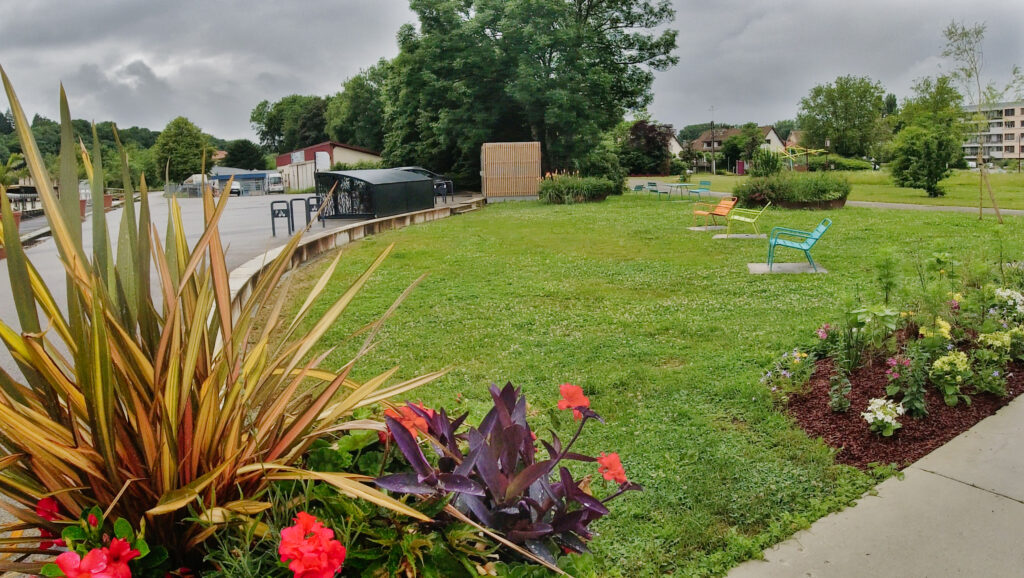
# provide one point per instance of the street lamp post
(827, 144)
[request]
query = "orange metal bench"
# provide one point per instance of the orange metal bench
(709, 211)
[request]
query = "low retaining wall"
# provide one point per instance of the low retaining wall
(244, 278)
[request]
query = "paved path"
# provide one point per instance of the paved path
(959, 511)
(936, 208)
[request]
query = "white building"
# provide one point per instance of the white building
(1001, 138)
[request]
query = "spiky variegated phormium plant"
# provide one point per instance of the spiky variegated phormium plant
(152, 407)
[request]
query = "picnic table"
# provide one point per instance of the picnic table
(681, 187)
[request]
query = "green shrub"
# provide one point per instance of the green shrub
(765, 163)
(791, 187)
(678, 167)
(602, 162)
(566, 190)
(361, 165)
(837, 163)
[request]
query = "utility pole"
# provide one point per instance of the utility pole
(712, 109)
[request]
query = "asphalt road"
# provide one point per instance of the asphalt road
(244, 229)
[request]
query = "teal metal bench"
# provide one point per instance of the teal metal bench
(638, 189)
(653, 187)
(804, 241)
(704, 188)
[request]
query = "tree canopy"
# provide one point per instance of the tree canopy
(245, 154)
(356, 114)
(929, 143)
(846, 113)
(294, 122)
(644, 149)
(180, 148)
(559, 72)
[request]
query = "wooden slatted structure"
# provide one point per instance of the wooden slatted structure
(510, 169)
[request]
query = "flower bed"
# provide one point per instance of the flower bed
(857, 446)
(882, 387)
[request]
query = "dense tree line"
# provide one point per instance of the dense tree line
(562, 72)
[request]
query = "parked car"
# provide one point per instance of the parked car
(442, 184)
(236, 189)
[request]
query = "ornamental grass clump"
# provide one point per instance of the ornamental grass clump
(883, 415)
(146, 396)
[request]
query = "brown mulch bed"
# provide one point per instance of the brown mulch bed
(849, 433)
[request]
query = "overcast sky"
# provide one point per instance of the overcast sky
(144, 63)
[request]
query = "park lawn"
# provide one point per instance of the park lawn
(667, 333)
(877, 186)
(961, 189)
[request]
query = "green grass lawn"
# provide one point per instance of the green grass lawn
(667, 333)
(961, 188)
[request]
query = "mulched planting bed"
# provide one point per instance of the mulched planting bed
(857, 446)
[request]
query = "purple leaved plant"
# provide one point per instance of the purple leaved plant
(499, 478)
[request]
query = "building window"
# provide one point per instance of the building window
(1010, 124)
(1009, 149)
(1008, 136)
(1008, 112)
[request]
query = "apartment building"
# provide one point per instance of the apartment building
(1002, 138)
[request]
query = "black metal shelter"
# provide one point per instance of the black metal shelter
(372, 193)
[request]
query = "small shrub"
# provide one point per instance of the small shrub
(358, 166)
(882, 416)
(792, 188)
(678, 167)
(910, 379)
(602, 162)
(839, 392)
(949, 373)
(788, 375)
(568, 189)
(837, 163)
(495, 474)
(765, 163)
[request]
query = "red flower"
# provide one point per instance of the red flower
(47, 509)
(611, 468)
(410, 419)
(119, 554)
(310, 549)
(94, 565)
(572, 397)
(93, 520)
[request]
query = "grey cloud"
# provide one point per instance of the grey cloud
(147, 62)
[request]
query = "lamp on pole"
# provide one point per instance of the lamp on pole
(712, 109)
(827, 144)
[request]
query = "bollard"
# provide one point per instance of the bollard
(281, 210)
(303, 208)
(313, 206)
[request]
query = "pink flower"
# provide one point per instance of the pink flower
(823, 331)
(93, 521)
(94, 565)
(310, 549)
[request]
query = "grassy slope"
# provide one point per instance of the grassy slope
(666, 332)
(961, 188)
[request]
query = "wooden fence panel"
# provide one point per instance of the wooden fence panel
(510, 169)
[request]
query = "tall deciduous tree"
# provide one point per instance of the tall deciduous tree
(964, 48)
(294, 122)
(846, 113)
(180, 149)
(925, 149)
(245, 154)
(558, 71)
(644, 150)
(356, 114)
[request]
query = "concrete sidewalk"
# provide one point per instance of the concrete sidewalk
(959, 511)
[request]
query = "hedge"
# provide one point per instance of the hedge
(838, 163)
(793, 188)
(567, 190)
